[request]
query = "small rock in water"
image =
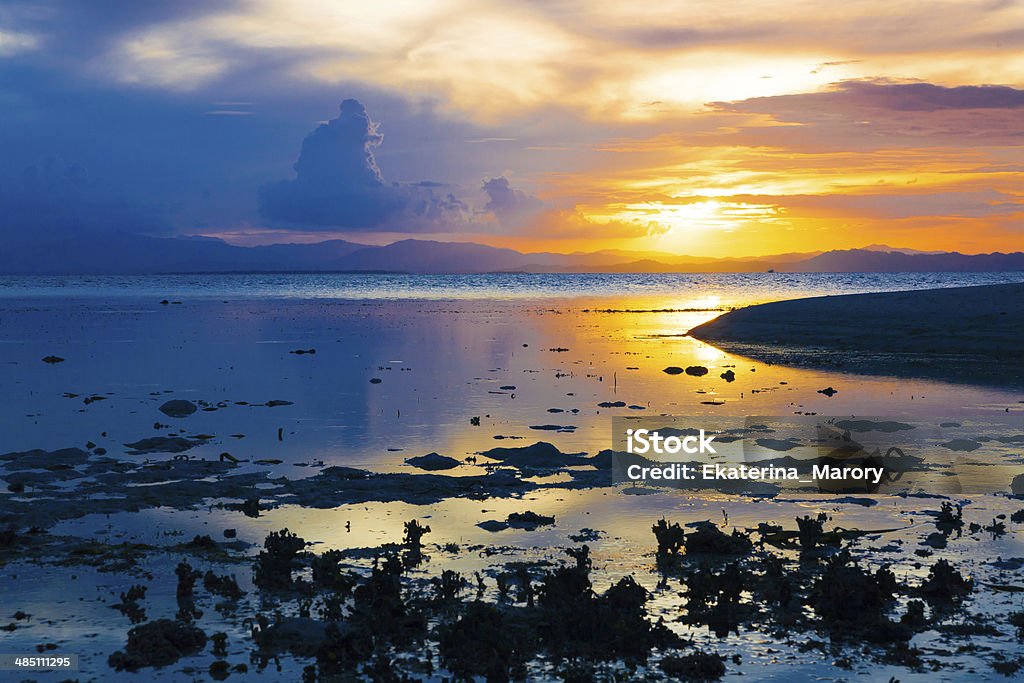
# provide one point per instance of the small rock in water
(828, 391)
(728, 375)
(586, 534)
(517, 520)
(302, 352)
(963, 445)
(528, 520)
(160, 444)
(673, 370)
(178, 408)
(696, 370)
(433, 462)
(53, 360)
(375, 380)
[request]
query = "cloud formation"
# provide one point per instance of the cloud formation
(816, 136)
(338, 184)
(880, 113)
(511, 207)
(885, 94)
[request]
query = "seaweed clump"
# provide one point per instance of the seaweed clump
(187, 577)
(575, 622)
(413, 543)
(569, 621)
(225, 586)
(158, 643)
(327, 573)
(850, 600)
(945, 584)
(696, 666)
(708, 539)
(705, 540)
(810, 530)
(129, 604)
(671, 539)
(381, 616)
(487, 641)
(280, 555)
(714, 599)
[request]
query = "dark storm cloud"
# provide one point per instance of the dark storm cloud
(337, 184)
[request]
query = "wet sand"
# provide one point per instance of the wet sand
(973, 334)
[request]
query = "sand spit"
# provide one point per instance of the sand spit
(951, 334)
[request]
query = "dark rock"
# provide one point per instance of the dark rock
(53, 360)
(541, 455)
(300, 636)
(962, 445)
(178, 408)
(433, 462)
(673, 370)
(528, 520)
(1017, 485)
(696, 370)
(160, 444)
(828, 391)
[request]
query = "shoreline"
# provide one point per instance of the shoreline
(906, 334)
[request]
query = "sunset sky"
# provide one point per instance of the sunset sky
(713, 129)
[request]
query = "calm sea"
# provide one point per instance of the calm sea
(727, 287)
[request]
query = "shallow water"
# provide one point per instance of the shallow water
(445, 348)
(440, 363)
(727, 288)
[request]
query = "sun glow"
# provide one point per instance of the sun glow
(691, 216)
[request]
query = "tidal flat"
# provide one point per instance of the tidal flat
(216, 487)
